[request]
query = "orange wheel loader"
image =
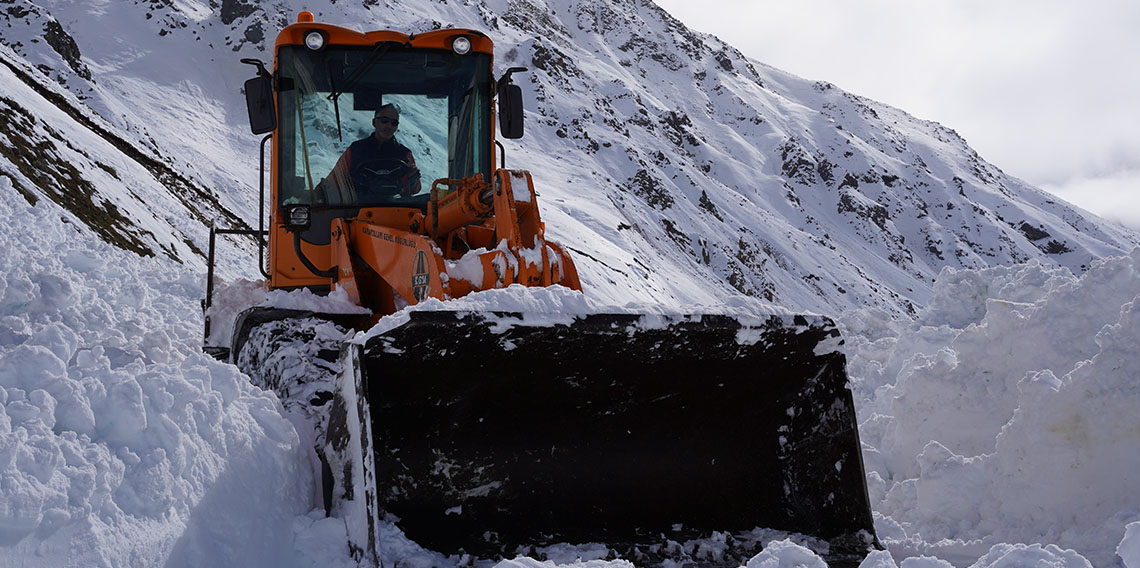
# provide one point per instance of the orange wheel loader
(487, 439)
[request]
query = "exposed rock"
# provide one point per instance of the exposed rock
(65, 46)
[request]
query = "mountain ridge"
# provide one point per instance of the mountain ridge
(676, 168)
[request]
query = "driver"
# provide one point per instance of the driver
(379, 166)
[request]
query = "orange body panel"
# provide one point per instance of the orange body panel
(376, 261)
(435, 39)
(373, 257)
(287, 271)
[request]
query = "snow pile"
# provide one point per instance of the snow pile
(120, 443)
(1129, 549)
(997, 425)
(230, 298)
(1006, 413)
(558, 305)
(1001, 418)
(562, 300)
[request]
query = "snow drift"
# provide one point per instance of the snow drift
(1001, 415)
(1006, 412)
(121, 444)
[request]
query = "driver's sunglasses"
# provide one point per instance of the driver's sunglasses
(386, 120)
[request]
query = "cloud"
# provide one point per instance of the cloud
(1044, 89)
(1114, 197)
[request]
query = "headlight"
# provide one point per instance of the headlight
(314, 40)
(461, 45)
(298, 218)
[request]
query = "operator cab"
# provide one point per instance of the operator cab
(327, 86)
(327, 100)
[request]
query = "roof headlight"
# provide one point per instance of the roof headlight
(461, 45)
(314, 40)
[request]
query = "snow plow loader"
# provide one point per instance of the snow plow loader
(493, 432)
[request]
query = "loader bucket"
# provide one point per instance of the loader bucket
(612, 428)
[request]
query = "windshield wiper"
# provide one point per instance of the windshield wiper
(377, 52)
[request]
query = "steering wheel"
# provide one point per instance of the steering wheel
(381, 177)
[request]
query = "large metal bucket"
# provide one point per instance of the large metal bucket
(490, 434)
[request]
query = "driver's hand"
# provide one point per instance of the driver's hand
(412, 186)
(321, 191)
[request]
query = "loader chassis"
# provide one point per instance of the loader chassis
(485, 432)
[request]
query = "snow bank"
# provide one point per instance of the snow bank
(1129, 549)
(1006, 413)
(557, 305)
(230, 298)
(120, 443)
(999, 427)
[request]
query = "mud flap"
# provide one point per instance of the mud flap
(491, 434)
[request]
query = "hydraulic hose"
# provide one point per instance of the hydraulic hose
(330, 273)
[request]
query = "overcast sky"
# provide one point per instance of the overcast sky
(1047, 90)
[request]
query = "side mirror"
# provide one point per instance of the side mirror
(259, 103)
(511, 112)
(259, 99)
(510, 106)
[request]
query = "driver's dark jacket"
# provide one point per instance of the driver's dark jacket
(370, 150)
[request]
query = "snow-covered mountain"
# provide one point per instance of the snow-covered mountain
(676, 170)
